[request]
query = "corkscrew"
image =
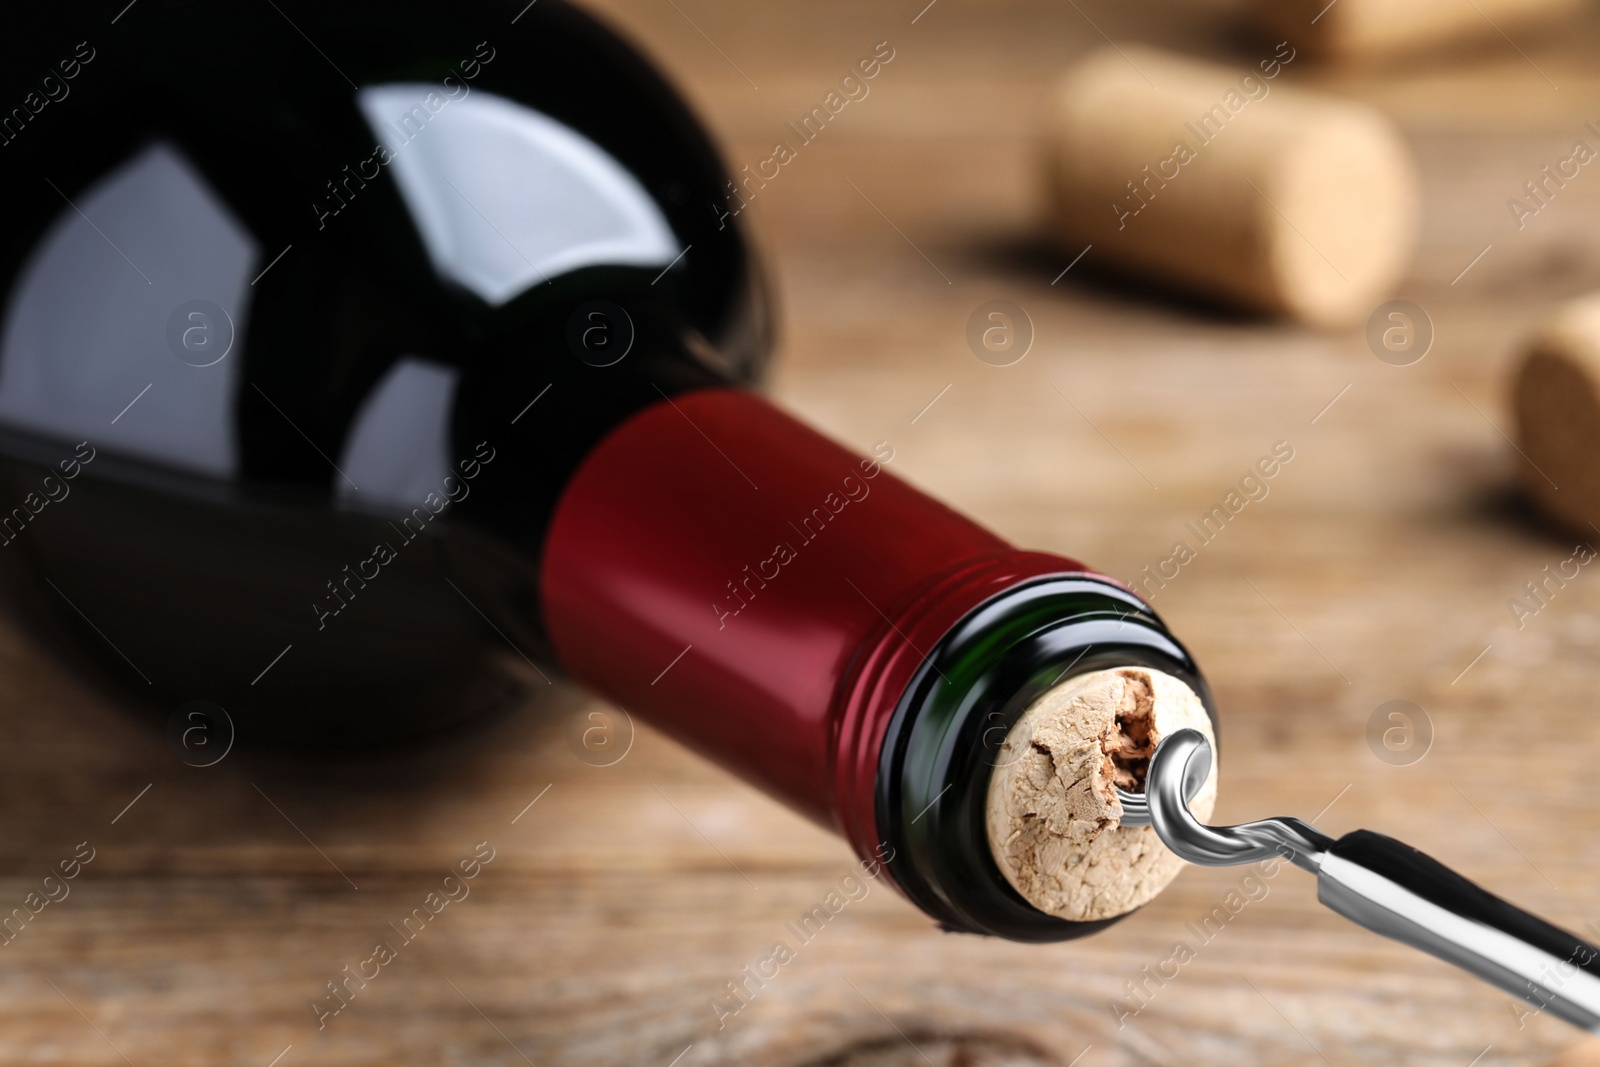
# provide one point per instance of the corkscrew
(1382, 884)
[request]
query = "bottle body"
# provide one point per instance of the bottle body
(323, 338)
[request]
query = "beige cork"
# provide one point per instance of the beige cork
(1231, 185)
(1556, 395)
(1053, 811)
(1363, 30)
(1585, 1053)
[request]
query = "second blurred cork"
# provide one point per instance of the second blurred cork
(1227, 183)
(1351, 31)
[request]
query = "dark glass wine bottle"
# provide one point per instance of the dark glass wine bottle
(350, 348)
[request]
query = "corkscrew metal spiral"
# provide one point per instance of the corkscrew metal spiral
(1382, 884)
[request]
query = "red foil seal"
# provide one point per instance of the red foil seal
(762, 594)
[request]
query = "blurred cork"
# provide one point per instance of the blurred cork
(1225, 182)
(1362, 30)
(1556, 394)
(1585, 1053)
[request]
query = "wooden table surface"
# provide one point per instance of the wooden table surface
(618, 905)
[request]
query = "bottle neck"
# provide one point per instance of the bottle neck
(794, 612)
(718, 568)
(948, 731)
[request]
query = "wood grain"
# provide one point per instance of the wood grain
(618, 905)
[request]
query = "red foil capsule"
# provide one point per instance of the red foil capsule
(769, 599)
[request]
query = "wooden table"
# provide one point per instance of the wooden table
(621, 902)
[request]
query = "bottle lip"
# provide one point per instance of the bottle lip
(942, 741)
(887, 662)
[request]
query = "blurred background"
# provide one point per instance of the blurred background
(1357, 622)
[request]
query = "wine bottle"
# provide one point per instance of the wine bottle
(351, 350)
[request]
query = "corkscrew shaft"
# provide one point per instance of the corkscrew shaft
(1388, 887)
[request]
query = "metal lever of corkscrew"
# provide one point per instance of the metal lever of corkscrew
(1382, 884)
